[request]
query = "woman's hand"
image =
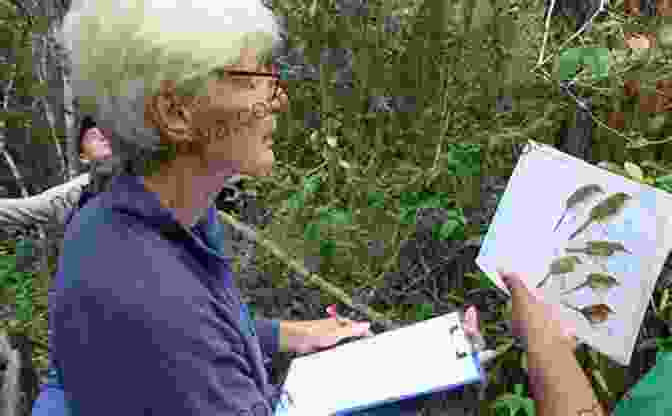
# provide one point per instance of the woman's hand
(310, 336)
(534, 320)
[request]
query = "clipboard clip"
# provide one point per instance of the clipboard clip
(465, 343)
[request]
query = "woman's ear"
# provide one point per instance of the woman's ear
(166, 111)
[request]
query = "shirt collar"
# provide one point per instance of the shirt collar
(128, 194)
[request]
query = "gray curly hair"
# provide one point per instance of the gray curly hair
(120, 51)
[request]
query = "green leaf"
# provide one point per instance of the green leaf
(408, 215)
(296, 201)
(436, 200)
(376, 199)
(667, 179)
(424, 311)
(312, 232)
(569, 63)
(447, 229)
(508, 401)
(311, 184)
(336, 217)
(327, 248)
(409, 199)
(596, 58)
(528, 406)
(664, 344)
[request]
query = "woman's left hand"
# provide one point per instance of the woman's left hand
(310, 336)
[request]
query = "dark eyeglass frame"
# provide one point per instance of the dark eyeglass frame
(261, 110)
(277, 76)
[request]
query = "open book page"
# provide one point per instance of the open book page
(591, 241)
(406, 362)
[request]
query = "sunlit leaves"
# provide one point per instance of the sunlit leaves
(596, 58)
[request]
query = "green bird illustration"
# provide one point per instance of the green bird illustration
(596, 281)
(599, 249)
(561, 265)
(594, 314)
(580, 195)
(607, 208)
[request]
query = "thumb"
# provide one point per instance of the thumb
(511, 280)
(520, 293)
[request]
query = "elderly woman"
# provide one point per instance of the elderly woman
(146, 318)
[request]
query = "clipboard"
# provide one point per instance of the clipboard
(430, 356)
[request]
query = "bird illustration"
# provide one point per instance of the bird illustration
(607, 208)
(561, 265)
(596, 281)
(580, 195)
(600, 248)
(594, 314)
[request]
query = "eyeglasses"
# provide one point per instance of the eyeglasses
(261, 110)
(279, 78)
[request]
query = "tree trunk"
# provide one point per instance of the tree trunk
(576, 139)
(10, 391)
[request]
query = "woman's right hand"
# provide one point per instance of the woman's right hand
(533, 319)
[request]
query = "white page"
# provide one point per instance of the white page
(521, 239)
(405, 362)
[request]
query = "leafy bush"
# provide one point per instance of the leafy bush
(17, 285)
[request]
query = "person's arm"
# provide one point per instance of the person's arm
(558, 384)
(50, 205)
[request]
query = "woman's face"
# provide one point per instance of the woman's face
(95, 146)
(249, 150)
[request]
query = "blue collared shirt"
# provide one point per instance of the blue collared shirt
(146, 318)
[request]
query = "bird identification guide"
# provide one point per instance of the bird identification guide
(425, 357)
(590, 241)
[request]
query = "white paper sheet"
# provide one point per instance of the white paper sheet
(405, 362)
(521, 239)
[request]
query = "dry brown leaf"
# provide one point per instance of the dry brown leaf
(638, 41)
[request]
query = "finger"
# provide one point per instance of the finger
(354, 329)
(471, 324)
(516, 286)
(511, 280)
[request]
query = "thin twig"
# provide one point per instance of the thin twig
(546, 31)
(578, 32)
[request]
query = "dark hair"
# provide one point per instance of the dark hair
(86, 124)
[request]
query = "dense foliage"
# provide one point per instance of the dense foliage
(401, 112)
